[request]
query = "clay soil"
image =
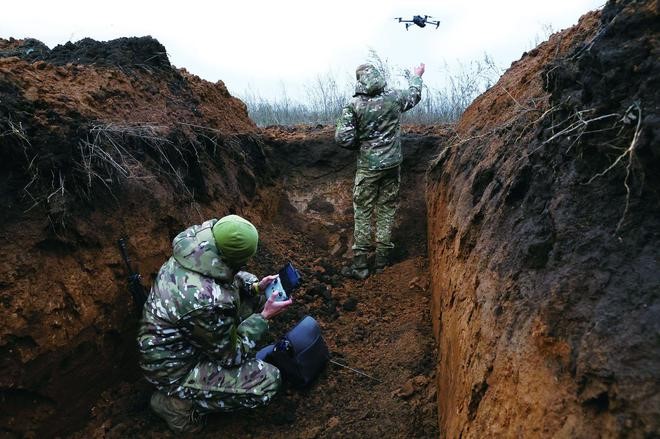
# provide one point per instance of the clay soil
(544, 250)
(523, 296)
(380, 326)
(109, 140)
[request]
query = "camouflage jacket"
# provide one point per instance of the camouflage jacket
(371, 122)
(198, 309)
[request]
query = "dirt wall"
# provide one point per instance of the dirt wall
(544, 237)
(108, 140)
(99, 141)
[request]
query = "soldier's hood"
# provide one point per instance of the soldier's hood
(370, 81)
(195, 249)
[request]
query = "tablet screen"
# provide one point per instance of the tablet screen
(290, 278)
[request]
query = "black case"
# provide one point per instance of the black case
(300, 355)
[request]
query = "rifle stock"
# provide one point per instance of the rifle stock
(134, 278)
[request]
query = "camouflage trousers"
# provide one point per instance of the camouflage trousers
(213, 388)
(375, 191)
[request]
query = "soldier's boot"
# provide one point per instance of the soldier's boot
(179, 414)
(359, 269)
(382, 260)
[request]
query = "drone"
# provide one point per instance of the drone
(419, 20)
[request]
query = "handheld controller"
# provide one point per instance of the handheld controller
(276, 287)
(286, 282)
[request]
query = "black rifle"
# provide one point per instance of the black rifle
(134, 279)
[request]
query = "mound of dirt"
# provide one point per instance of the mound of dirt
(544, 229)
(133, 52)
(99, 141)
(28, 49)
(70, 129)
(122, 53)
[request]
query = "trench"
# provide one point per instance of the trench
(380, 326)
(545, 301)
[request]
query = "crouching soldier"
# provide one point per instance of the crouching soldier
(201, 324)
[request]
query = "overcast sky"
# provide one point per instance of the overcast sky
(262, 44)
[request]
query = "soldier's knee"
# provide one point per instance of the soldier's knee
(270, 381)
(267, 387)
(274, 379)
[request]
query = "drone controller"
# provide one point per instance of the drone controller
(275, 287)
(287, 280)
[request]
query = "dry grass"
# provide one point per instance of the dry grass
(328, 94)
(107, 155)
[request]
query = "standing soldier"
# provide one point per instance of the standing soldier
(201, 324)
(371, 122)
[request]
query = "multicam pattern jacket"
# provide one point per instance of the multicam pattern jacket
(198, 309)
(371, 122)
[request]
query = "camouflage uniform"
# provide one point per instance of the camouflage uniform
(199, 329)
(371, 122)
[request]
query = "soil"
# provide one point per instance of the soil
(545, 267)
(523, 296)
(380, 326)
(91, 154)
(120, 147)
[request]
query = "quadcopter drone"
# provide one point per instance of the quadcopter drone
(419, 20)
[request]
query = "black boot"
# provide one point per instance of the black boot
(382, 260)
(359, 269)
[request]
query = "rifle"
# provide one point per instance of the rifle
(134, 279)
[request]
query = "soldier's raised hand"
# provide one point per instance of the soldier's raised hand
(419, 70)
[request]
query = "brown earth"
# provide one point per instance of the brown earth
(107, 140)
(545, 274)
(380, 326)
(90, 153)
(541, 287)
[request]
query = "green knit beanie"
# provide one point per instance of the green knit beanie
(236, 238)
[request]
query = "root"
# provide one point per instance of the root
(629, 153)
(104, 156)
(575, 126)
(58, 189)
(17, 131)
(108, 155)
(579, 125)
(456, 141)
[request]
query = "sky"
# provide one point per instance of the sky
(263, 47)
